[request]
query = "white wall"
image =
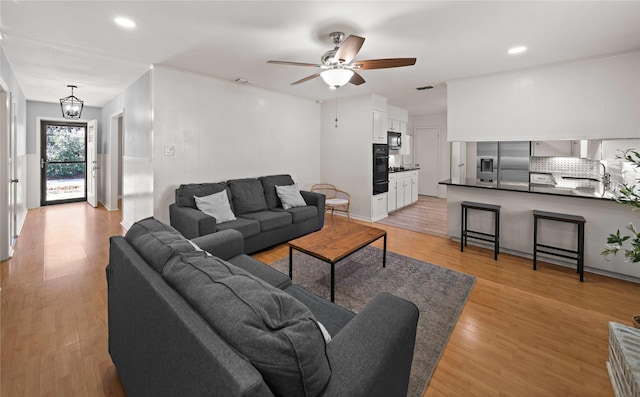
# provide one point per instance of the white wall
(347, 151)
(589, 99)
(434, 121)
(220, 130)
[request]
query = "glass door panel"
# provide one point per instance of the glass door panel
(64, 163)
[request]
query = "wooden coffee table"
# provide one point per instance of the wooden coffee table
(335, 243)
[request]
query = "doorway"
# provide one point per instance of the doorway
(427, 151)
(63, 162)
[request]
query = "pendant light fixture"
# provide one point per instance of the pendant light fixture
(71, 106)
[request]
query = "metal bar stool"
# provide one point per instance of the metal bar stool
(465, 233)
(577, 255)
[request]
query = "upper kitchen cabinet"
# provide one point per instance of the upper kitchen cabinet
(552, 149)
(591, 99)
(585, 148)
(379, 126)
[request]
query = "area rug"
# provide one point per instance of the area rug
(439, 293)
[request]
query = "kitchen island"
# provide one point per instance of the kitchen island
(603, 216)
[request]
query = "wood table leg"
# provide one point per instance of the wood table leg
(333, 285)
(291, 262)
(384, 251)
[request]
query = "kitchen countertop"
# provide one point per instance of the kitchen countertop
(392, 170)
(582, 192)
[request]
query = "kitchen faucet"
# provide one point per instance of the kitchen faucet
(606, 177)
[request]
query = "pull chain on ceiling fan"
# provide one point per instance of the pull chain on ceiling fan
(338, 66)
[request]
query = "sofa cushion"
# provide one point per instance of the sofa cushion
(185, 193)
(216, 205)
(301, 214)
(247, 196)
(269, 184)
(290, 196)
(263, 272)
(248, 227)
(273, 330)
(270, 220)
(156, 242)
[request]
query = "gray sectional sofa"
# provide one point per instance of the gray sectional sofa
(254, 201)
(185, 323)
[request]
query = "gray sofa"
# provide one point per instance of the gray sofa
(260, 216)
(182, 322)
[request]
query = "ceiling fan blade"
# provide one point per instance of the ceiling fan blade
(294, 63)
(383, 63)
(313, 76)
(356, 79)
(349, 49)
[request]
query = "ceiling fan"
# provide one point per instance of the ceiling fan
(339, 66)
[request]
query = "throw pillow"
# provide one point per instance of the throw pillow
(274, 331)
(217, 206)
(290, 196)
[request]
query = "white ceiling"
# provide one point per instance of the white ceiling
(50, 44)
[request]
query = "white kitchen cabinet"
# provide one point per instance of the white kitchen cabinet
(405, 149)
(392, 202)
(403, 189)
(552, 148)
(414, 186)
(400, 194)
(403, 128)
(378, 206)
(406, 185)
(394, 125)
(379, 126)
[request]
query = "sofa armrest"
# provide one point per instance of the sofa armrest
(313, 198)
(224, 244)
(316, 199)
(372, 354)
(191, 222)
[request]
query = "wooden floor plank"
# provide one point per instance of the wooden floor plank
(521, 332)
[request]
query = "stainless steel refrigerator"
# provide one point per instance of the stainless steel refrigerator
(513, 163)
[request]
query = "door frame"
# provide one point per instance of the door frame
(6, 250)
(116, 148)
(39, 119)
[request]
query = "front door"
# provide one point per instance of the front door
(63, 162)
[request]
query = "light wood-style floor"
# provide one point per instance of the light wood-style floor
(427, 215)
(521, 333)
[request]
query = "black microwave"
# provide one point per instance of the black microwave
(394, 139)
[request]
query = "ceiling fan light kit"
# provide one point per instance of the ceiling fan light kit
(336, 77)
(71, 106)
(338, 69)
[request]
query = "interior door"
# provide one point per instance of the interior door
(427, 151)
(92, 163)
(13, 177)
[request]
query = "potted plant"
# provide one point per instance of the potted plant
(628, 241)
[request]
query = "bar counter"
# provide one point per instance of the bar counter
(518, 201)
(595, 191)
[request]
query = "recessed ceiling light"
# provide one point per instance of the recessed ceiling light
(517, 50)
(125, 22)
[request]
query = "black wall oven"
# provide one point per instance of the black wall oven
(380, 168)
